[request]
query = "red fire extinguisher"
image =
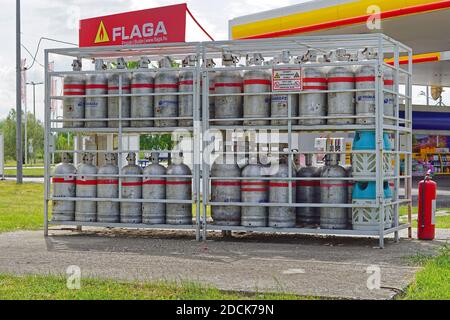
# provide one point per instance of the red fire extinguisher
(427, 208)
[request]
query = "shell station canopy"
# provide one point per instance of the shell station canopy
(420, 24)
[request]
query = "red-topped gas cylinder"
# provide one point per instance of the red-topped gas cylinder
(427, 209)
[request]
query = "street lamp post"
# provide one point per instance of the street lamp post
(18, 97)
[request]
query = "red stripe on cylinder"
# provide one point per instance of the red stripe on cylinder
(226, 184)
(155, 182)
(142, 86)
(255, 184)
(166, 86)
(309, 184)
(257, 82)
(341, 79)
(74, 86)
(106, 181)
(63, 180)
(254, 190)
(281, 185)
(228, 85)
(86, 182)
(131, 184)
(388, 82)
(96, 86)
(186, 83)
(74, 93)
(176, 183)
(365, 79)
(315, 80)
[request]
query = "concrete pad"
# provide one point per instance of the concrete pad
(307, 266)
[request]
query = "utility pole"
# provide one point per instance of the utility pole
(18, 97)
(34, 84)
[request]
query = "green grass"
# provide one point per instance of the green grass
(27, 172)
(54, 288)
(442, 222)
(21, 207)
(39, 163)
(433, 282)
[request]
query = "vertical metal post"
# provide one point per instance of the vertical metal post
(197, 134)
(46, 144)
(397, 142)
(205, 126)
(19, 142)
(409, 125)
(379, 112)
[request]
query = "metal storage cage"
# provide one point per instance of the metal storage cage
(53, 125)
(400, 128)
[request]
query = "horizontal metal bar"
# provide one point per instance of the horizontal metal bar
(397, 229)
(292, 205)
(123, 95)
(153, 130)
(121, 176)
(118, 119)
(123, 225)
(118, 200)
(283, 93)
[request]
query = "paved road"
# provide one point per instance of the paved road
(324, 267)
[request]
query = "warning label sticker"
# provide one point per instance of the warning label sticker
(287, 80)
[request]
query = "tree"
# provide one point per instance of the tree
(35, 133)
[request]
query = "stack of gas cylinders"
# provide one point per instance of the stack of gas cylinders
(155, 196)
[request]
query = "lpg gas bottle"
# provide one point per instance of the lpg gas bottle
(224, 190)
(257, 81)
(154, 188)
(210, 64)
(281, 217)
(313, 105)
(96, 107)
(228, 82)
(179, 188)
(281, 103)
(131, 212)
(254, 191)
(166, 82)
(341, 104)
(333, 192)
(308, 191)
(86, 211)
(64, 187)
(108, 188)
(73, 107)
(389, 98)
(186, 84)
(142, 106)
(119, 83)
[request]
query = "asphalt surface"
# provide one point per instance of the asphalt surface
(307, 266)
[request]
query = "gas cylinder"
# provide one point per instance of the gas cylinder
(179, 188)
(114, 88)
(308, 191)
(280, 103)
(142, 106)
(73, 108)
(166, 106)
(186, 84)
(226, 191)
(365, 78)
(131, 212)
(108, 188)
(154, 188)
(313, 105)
(96, 107)
(254, 191)
(210, 64)
(64, 187)
(86, 211)
(427, 208)
(341, 78)
(333, 192)
(281, 217)
(228, 82)
(257, 81)
(389, 98)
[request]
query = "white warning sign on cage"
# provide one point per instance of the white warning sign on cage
(287, 79)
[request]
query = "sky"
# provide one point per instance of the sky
(58, 19)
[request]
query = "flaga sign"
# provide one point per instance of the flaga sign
(158, 25)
